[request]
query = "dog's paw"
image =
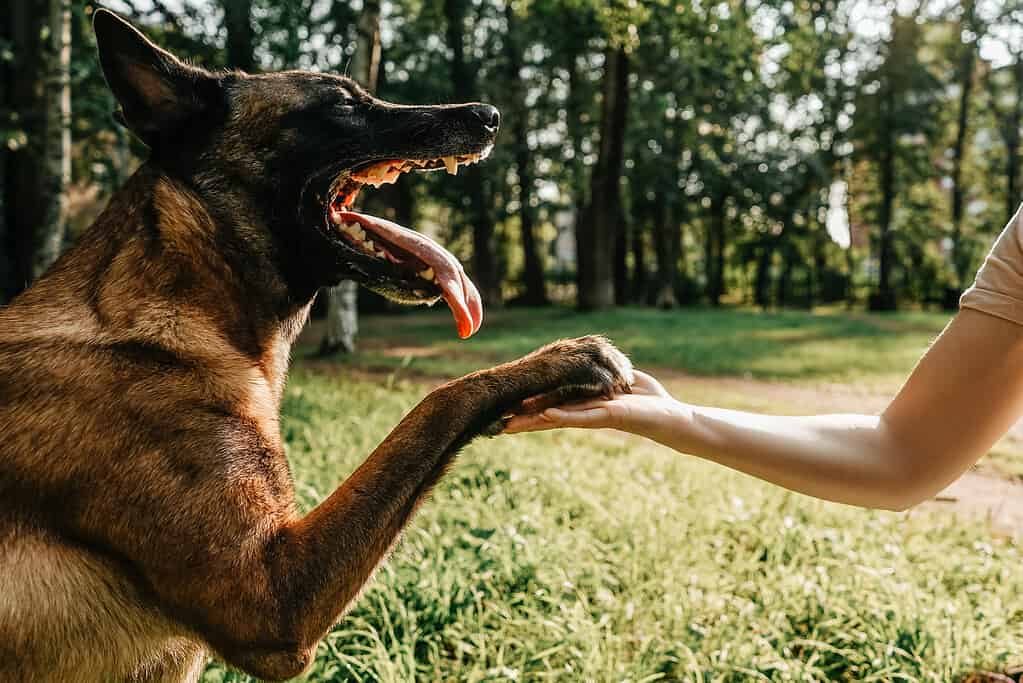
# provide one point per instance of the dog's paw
(576, 370)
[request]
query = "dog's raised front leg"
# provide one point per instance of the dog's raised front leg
(319, 563)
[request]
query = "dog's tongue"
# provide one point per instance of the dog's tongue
(461, 294)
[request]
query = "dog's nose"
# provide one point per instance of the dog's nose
(488, 116)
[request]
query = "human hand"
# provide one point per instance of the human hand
(645, 411)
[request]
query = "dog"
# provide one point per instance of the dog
(147, 513)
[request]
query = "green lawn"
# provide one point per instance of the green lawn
(589, 557)
(867, 353)
(790, 346)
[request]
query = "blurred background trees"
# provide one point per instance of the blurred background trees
(35, 161)
(758, 152)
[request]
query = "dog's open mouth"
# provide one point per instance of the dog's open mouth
(407, 266)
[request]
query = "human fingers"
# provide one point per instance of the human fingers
(593, 416)
(647, 384)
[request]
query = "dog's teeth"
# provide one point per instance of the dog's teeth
(355, 231)
(427, 275)
(451, 164)
(369, 245)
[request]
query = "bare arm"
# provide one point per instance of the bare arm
(963, 395)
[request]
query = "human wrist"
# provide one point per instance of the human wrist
(667, 421)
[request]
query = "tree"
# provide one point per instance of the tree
(1005, 89)
(726, 107)
(37, 170)
(597, 235)
(684, 138)
(967, 39)
(895, 118)
(817, 80)
(577, 116)
(238, 27)
(532, 276)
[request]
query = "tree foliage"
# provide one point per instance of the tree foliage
(658, 153)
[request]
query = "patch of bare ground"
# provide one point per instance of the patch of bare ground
(980, 493)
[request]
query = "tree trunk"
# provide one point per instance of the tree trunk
(366, 60)
(959, 149)
(667, 255)
(463, 75)
(597, 236)
(884, 297)
(850, 255)
(708, 258)
(1009, 121)
(6, 235)
(783, 295)
(239, 38)
(58, 136)
(638, 286)
(535, 293)
(820, 261)
(621, 265)
(574, 105)
(762, 277)
(484, 258)
(342, 326)
(681, 282)
(1012, 143)
(38, 172)
(885, 300)
(716, 250)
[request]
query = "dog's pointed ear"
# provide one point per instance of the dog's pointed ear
(156, 91)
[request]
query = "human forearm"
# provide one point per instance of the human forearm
(845, 458)
(848, 458)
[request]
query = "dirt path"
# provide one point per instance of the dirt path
(980, 494)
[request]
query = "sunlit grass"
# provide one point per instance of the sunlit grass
(872, 352)
(837, 346)
(589, 557)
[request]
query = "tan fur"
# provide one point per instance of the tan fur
(89, 616)
(147, 516)
(147, 512)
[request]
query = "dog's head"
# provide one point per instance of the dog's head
(287, 154)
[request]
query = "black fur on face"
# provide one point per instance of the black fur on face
(269, 153)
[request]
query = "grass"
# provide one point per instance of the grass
(869, 353)
(590, 557)
(838, 347)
